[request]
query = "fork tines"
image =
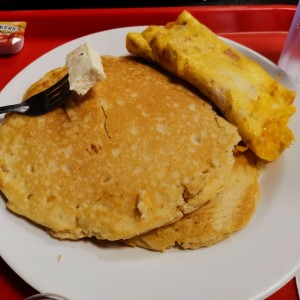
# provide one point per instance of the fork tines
(58, 91)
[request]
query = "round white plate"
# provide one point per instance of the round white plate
(252, 264)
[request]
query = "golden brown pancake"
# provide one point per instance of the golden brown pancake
(137, 152)
(245, 93)
(227, 213)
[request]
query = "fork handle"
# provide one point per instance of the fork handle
(19, 108)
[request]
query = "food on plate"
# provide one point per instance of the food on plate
(142, 156)
(244, 92)
(84, 68)
(222, 216)
(140, 150)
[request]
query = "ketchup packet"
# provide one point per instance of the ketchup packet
(11, 36)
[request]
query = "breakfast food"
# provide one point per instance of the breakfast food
(138, 151)
(244, 92)
(142, 156)
(84, 68)
(222, 216)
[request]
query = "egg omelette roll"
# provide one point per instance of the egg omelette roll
(244, 92)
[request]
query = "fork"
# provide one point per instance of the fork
(42, 102)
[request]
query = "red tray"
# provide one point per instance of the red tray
(260, 27)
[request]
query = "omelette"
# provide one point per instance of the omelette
(244, 92)
(228, 212)
(139, 151)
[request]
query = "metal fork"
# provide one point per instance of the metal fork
(42, 102)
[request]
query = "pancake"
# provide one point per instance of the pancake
(215, 221)
(245, 93)
(137, 152)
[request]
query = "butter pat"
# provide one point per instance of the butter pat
(84, 69)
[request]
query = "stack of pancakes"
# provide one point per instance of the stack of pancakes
(141, 158)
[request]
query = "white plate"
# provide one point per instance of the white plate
(250, 265)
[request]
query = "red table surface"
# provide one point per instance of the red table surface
(260, 27)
